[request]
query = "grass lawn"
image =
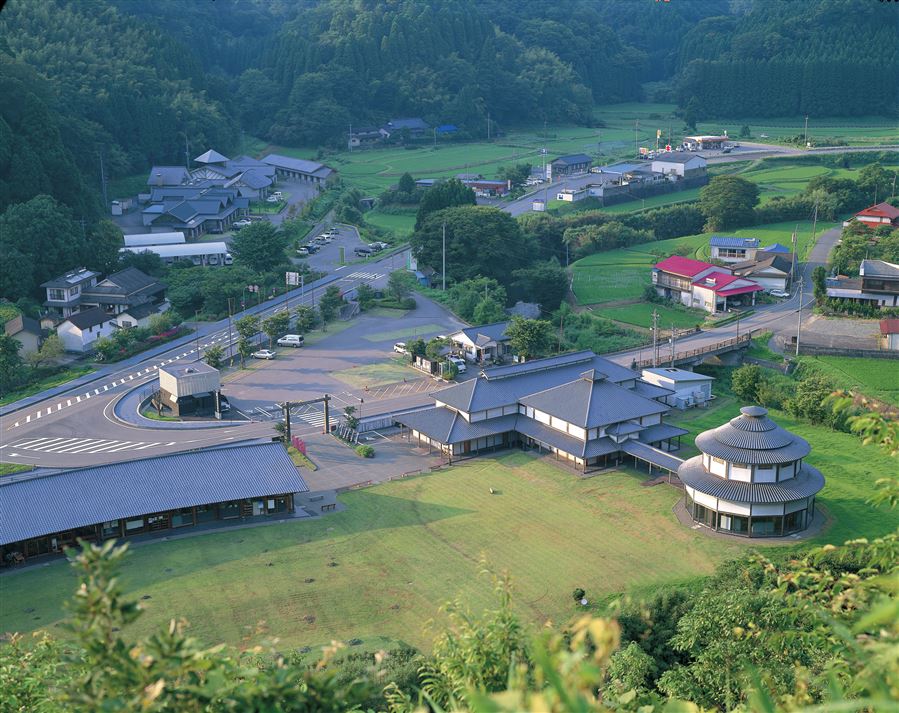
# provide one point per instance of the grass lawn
(375, 374)
(48, 383)
(849, 467)
(399, 225)
(10, 468)
(691, 194)
(399, 551)
(405, 332)
(877, 378)
(616, 282)
(640, 314)
(260, 207)
(759, 349)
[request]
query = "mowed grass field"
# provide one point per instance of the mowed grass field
(640, 315)
(383, 566)
(849, 468)
(877, 378)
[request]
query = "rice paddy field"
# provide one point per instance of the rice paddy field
(876, 378)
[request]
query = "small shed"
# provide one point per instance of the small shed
(889, 332)
(688, 388)
(189, 388)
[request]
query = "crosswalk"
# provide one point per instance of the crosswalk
(69, 401)
(312, 416)
(79, 445)
(356, 276)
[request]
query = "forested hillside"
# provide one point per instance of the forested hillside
(827, 58)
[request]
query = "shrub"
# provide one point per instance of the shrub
(365, 451)
(578, 594)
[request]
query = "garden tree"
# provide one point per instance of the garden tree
(105, 348)
(464, 297)
(652, 623)
(744, 382)
(50, 351)
(350, 419)
(545, 283)
(444, 194)
(161, 322)
(223, 284)
(400, 284)
(42, 241)
(247, 327)
(745, 132)
(147, 262)
(215, 356)
(305, 318)
(875, 182)
(727, 202)
(103, 247)
(810, 398)
(516, 174)
(489, 310)
(481, 241)
(819, 280)
(329, 305)
(449, 370)
(275, 325)
(406, 184)
(259, 246)
(588, 239)
(529, 338)
(416, 347)
(244, 349)
(434, 348)
(365, 295)
(10, 363)
(184, 291)
(630, 669)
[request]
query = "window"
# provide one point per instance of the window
(134, 524)
(205, 513)
(794, 521)
(766, 526)
(182, 517)
(111, 528)
(56, 294)
(229, 510)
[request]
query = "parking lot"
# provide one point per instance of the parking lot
(354, 363)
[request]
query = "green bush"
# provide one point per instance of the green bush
(365, 451)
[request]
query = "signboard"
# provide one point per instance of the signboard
(668, 147)
(643, 150)
(292, 278)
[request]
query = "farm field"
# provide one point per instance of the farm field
(877, 378)
(399, 225)
(382, 567)
(640, 315)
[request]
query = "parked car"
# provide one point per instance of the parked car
(278, 195)
(264, 354)
(313, 248)
(461, 366)
(291, 340)
(242, 223)
(331, 232)
(381, 245)
(363, 251)
(778, 293)
(303, 250)
(400, 348)
(229, 259)
(272, 199)
(375, 247)
(224, 405)
(727, 149)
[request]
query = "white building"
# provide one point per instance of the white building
(143, 239)
(571, 195)
(213, 253)
(690, 388)
(679, 164)
(751, 478)
(189, 388)
(80, 330)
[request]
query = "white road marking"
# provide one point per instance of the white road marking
(62, 444)
(78, 399)
(87, 445)
(140, 448)
(68, 402)
(28, 419)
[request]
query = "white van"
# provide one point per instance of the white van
(291, 340)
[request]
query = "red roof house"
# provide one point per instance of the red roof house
(683, 266)
(880, 214)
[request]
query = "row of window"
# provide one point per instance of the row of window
(747, 473)
(750, 525)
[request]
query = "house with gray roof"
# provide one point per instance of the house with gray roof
(877, 284)
(485, 343)
(580, 407)
(299, 169)
(64, 292)
(751, 478)
(46, 512)
(81, 330)
(123, 290)
(200, 207)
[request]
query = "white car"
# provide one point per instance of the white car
(461, 367)
(778, 293)
(400, 348)
(242, 223)
(272, 199)
(302, 251)
(264, 354)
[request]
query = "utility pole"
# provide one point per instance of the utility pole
(673, 341)
(488, 126)
(286, 407)
(197, 321)
(893, 190)
(103, 183)
(636, 144)
(814, 224)
(350, 142)
(806, 129)
(799, 323)
(793, 261)
(443, 268)
(561, 329)
(655, 338)
(186, 153)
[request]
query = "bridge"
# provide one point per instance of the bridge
(692, 357)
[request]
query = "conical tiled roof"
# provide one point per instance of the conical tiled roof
(752, 437)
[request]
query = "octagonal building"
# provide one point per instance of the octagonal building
(751, 478)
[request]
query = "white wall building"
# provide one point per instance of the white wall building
(80, 330)
(751, 478)
(213, 253)
(142, 239)
(690, 388)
